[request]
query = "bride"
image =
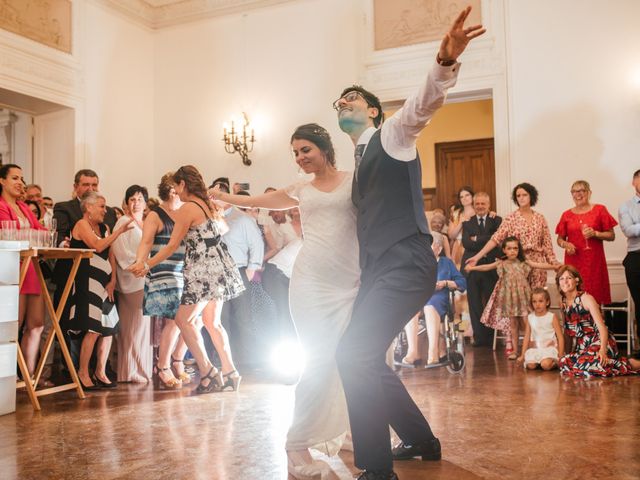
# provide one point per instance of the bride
(324, 284)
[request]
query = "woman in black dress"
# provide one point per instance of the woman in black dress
(94, 283)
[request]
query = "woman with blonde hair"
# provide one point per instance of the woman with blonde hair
(582, 231)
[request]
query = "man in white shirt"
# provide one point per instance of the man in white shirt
(629, 218)
(397, 262)
(246, 247)
(277, 275)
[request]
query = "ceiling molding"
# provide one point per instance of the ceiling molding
(164, 13)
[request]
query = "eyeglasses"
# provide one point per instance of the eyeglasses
(349, 97)
(581, 190)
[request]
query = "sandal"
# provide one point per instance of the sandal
(231, 380)
(215, 382)
(172, 384)
(183, 376)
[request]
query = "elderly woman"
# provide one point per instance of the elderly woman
(31, 305)
(528, 226)
(438, 223)
(449, 278)
(95, 282)
(135, 351)
(581, 232)
(164, 283)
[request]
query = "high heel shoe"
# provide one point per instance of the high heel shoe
(231, 380)
(88, 387)
(183, 376)
(215, 382)
(100, 384)
(172, 384)
(301, 470)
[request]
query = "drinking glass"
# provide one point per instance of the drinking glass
(584, 227)
(8, 231)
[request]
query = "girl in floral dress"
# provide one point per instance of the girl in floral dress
(509, 303)
(596, 353)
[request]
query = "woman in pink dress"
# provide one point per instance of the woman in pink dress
(31, 306)
(528, 226)
(581, 232)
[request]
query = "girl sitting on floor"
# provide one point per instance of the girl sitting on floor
(542, 333)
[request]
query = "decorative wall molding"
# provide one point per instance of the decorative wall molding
(164, 13)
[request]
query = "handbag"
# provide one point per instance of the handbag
(110, 316)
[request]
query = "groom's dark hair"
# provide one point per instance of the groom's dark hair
(372, 101)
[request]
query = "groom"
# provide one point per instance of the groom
(398, 265)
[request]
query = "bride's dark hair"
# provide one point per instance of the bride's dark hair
(314, 133)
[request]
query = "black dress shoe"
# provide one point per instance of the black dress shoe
(378, 475)
(429, 450)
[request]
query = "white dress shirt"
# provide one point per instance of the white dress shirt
(399, 132)
(125, 248)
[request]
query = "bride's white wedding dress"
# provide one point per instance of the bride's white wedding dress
(324, 284)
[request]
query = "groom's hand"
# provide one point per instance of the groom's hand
(457, 38)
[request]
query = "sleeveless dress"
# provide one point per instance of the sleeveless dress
(543, 339)
(510, 297)
(324, 283)
(583, 362)
(89, 292)
(164, 282)
(209, 271)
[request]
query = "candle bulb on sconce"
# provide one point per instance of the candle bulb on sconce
(238, 141)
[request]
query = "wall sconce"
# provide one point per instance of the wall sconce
(238, 140)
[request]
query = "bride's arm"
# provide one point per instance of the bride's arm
(277, 200)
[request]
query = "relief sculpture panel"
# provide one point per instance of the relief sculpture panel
(44, 21)
(399, 23)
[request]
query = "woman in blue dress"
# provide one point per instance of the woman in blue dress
(449, 278)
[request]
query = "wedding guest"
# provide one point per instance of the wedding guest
(164, 283)
(135, 352)
(95, 283)
(438, 223)
(530, 228)
(476, 232)
(67, 215)
(210, 278)
(277, 277)
(581, 232)
(629, 216)
(246, 247)
(48, 203)
(31, 304)
(596, 353)
(460, 213)
(449, 278)
(33, 192)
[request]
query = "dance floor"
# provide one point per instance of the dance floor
(494, 421)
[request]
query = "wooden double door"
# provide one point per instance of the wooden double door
(468, 162)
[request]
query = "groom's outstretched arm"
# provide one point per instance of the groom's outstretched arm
(400, 131)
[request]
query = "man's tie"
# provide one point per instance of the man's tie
(358, 158)
(481, 223)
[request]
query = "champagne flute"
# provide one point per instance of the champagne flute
(584, 227)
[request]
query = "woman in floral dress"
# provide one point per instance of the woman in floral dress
(528, 226)
(210, 278)
(596, 353)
